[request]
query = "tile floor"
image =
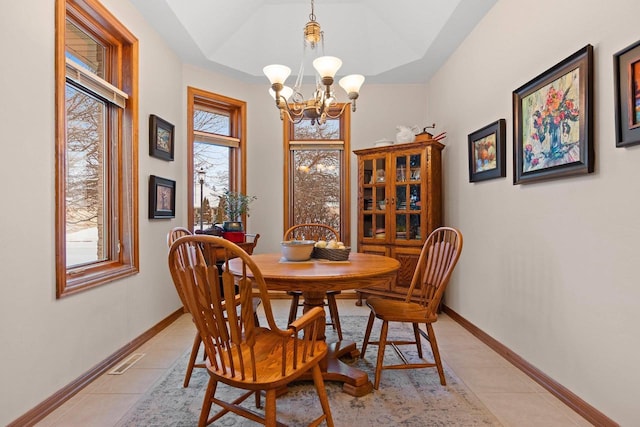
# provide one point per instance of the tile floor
(509, 394)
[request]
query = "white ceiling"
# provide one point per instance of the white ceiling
(404, 41)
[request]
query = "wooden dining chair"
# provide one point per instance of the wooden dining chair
(315, 232)
(172, 236)
(239, 353)
(437, 260)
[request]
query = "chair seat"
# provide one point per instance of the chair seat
(268, 369)
(399, 311)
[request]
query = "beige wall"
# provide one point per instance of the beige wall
(47, 343)
(548, 269)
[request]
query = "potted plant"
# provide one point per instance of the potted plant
(235, 205)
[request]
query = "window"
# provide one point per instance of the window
(216, 142)
(96, 176)
(317, 179)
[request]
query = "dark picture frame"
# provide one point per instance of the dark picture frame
(626, 72)
(553, 121)
(161, 138)
(162, 198)
(487, 148)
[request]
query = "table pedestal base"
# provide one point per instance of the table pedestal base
(354, 381)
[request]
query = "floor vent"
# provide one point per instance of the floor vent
(126, 364)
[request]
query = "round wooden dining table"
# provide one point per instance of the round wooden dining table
(314, 278)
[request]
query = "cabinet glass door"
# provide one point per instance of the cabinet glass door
(407, 197)
(374, 198)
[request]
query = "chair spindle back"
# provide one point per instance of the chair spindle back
(437, 260)
(311, 231)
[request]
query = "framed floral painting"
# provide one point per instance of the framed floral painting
(553, 121)
(487, 157)
(626, 65)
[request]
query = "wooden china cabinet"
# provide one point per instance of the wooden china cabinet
(399, 204)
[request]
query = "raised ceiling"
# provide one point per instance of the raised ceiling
(400, 41)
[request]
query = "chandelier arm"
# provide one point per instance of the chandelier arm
(294, 115)
(293, 119)
(344, 106)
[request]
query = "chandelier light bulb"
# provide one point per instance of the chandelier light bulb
(276, 73)
(286, 92)
(352, 83)
(327, 66)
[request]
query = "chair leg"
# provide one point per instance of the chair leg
(207, 402)
(381, 346)
(367, 333)
(192, 359)
(270, 409)
(293, 310)
(436, 353)
(333, 312)
(416, 334)
(322, 393)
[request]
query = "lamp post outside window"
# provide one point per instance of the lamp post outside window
(201, 175)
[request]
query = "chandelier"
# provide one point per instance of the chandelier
(319, 107)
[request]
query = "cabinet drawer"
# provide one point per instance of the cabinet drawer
(374, 249)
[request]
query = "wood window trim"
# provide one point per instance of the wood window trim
(237, 110)
(344, 142)
(96, 16)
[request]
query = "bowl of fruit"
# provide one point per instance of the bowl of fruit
(331, 250)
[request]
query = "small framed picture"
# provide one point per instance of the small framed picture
(487, 157)
(626, 72)
(160, 138)
(162, 197)
(553, 121)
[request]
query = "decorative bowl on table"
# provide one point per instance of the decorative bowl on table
(297, 250)
(336, 254)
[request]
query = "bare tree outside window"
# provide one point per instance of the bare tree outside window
(85, 177)
(214, 159)
(316, 164)
(316, 185)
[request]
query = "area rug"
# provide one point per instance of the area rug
(412, 397)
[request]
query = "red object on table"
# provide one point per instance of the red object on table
(234, 236)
